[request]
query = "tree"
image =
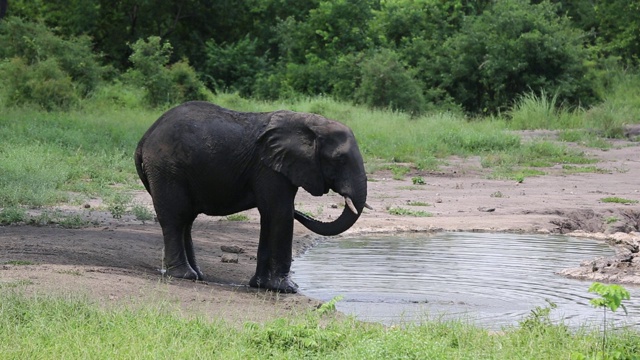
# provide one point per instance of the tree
(512, 48)
(619, 29)
(3, 8)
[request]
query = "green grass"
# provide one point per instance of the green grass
(237, 217)
(418, 203)
(12, 215)
(65, 220)
(19, 262)
(408, 212)
(55, 157)
(585, 138)
(618, 200)
(540, 111)
(46, 156)
(572, 169)
(72, 328)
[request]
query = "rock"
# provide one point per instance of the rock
(486, 209)
(229, 258)
(232, 249)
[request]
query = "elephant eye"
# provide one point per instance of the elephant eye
(341, 158)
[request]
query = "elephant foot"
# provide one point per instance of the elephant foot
(198, 272)
(282, 284)
(184, 271)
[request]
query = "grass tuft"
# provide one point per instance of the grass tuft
(618, 200)
(408, 212)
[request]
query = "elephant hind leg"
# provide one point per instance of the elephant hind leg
(188, 244)
(176, 258)
(176, 220)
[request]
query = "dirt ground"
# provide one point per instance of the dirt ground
(118, 261)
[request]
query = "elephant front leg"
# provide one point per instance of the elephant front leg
(275, 249)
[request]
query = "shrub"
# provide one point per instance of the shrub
(163, 85)
(234, 67)
(33, 42)
(387, 83)
(512, 48)
(44, 83)
(185, 83)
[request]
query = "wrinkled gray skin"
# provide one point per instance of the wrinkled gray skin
(201, 158)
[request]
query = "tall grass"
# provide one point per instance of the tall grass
(72, 328)
(533, 111)
(397, 137)
(46, 156)
(620, 107)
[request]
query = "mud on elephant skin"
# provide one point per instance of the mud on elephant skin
(199, 158)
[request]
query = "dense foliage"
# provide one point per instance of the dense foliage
(409, 55)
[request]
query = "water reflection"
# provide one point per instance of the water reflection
(491, 279)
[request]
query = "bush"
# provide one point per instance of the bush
(513, 48)
(33, 42)
(44, 83)
(387, 83)
(234, 67)
(164, 85)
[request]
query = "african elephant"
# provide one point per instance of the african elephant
(201, 158)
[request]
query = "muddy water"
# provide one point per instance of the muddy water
(492, 280)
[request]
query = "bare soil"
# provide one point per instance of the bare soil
(118, 261)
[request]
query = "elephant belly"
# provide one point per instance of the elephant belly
(221, 203)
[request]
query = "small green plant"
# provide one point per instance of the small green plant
(611, 297)
(12, 215)
(418, 180)
(329, 306)
(618, 200)
(73, 272)
(19, 262)
(418, 203)
(65, 220)
(15, 284)
(539, 318)
(73, 221)
(408, 212)
(399, 171)
(611, 220)
(409, 187)
(571, 169)
(118, 204)
(237, 217)
(497, 194)
(141, 213)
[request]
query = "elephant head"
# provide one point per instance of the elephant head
(318, 155)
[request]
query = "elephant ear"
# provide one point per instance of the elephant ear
(288, 145)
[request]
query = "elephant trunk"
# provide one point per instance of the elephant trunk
(355, 201)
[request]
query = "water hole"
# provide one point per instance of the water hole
(492, 280)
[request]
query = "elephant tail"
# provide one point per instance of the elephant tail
(140, 168)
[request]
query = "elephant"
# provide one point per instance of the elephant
(200, 158)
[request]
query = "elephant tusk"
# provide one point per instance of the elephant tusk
(368, 206)
(350, 205)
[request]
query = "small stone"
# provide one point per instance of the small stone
(86, 206)
(485, 209)
(235, 249)
(229, 258)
